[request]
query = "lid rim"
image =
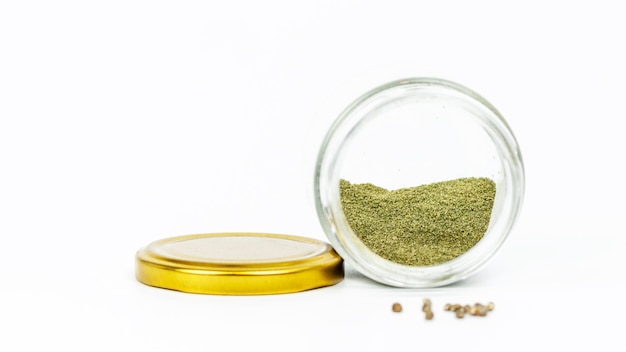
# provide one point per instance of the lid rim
(153, 268)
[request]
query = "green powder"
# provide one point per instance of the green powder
(424, 225)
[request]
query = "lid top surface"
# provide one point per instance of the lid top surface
(235, 249)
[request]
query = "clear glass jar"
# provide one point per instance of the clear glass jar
(412, 132)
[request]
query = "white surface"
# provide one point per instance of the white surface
(124, 122)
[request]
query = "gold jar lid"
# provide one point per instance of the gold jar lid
(239, 264)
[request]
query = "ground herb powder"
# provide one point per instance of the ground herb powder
(423, 225)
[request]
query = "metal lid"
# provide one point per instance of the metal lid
(239, 264)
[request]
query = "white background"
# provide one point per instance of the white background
(124, 122)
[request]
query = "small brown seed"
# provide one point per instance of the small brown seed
(427, 305)
(427, 308)
(447, 307)
(396, 307)
(455, 307)
(460, 313)
(490, 306)
(480, 310)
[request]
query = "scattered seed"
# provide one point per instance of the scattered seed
(481, 310)
(427, 305)
(427, 308)
(460, 313)
(455, 307)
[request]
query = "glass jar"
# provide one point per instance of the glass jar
(414, 132)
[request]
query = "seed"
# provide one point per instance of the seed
(490, 306)
(455, 307)
(479, 310)
(427, 308)
(427, 305)
(396, 307)
(447, 307)
(460, 313)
